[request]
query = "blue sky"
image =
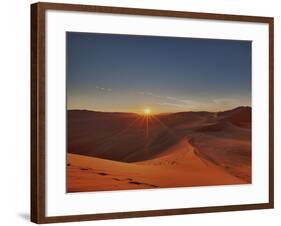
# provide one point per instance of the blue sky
(127, 73)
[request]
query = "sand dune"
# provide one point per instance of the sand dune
(178, 167)
(240, 116)
(112, 151)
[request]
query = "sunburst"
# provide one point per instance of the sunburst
(147, 111)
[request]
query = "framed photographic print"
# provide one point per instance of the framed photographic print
(140, 112)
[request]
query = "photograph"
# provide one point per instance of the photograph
(156, 112)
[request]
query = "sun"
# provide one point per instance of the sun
(147, 111)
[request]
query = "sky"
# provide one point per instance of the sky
(128, 73)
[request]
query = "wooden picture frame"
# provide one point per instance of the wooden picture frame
(38, 112)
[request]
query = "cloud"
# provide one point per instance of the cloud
(103, 89)
(171, 104)
(181, 101)
(149, 94)
(170, 100)
(225, 101)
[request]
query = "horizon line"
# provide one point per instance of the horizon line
(126, 112)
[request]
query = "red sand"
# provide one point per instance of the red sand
(110, 151)
(178, 167)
